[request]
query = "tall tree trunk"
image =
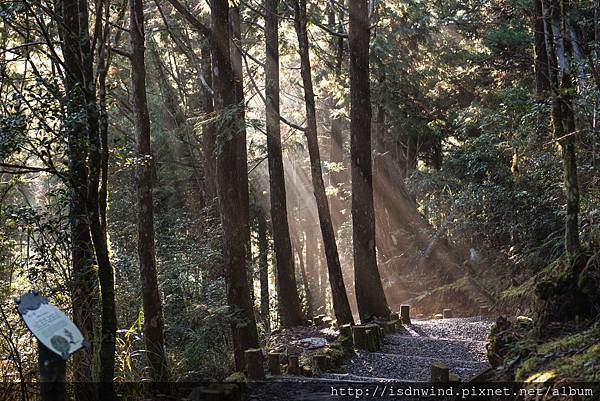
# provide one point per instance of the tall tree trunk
(312, 265)
(231, 198)
(369, 290)
(336, 279)
(542, 78)
(563, 117)
(263, 270)
(84, 285)
(290, 310)
(208, 129)
(97, 194)
(338, 175)
(237, 66)
(153, 319)
(299, 247)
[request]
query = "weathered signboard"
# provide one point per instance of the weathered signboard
(50, 325)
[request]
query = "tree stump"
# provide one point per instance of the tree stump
(405, 314)
(366, 336)
(320, 362)
(439, 373)
(484, 310)
(274, 362)
(254, 364)
(346, 335)
(447, 314)
(293, 367)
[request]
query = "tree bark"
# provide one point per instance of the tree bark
(290, 310)
(263, 270)
(563, 117)
(208, 129)
(236, 64)
(84, 289)
(542, 78)
(96, 203)
(341, 305)
(339, 175)
(153, 319)
(369, 290)
(231, 198)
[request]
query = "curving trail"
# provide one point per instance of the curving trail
(408, 354)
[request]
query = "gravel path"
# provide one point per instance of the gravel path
(408, 355)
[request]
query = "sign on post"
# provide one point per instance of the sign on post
(50, 325)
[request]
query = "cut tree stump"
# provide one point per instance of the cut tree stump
(439, 373)
(254, 364)
(447, 314)
(346, 335)
(366, 337)
(293, 367)
(274, 362)
(405, 314)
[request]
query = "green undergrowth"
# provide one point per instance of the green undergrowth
(524, 292)
(572, 356)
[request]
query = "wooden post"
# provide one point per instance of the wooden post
(405, 314)
(254, 364)
(447, 314)
(274, 362)
(439, 373)
(52, 369)
(293, 367)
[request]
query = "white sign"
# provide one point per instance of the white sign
(54, 329)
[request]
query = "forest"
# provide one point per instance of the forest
(240, 194)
